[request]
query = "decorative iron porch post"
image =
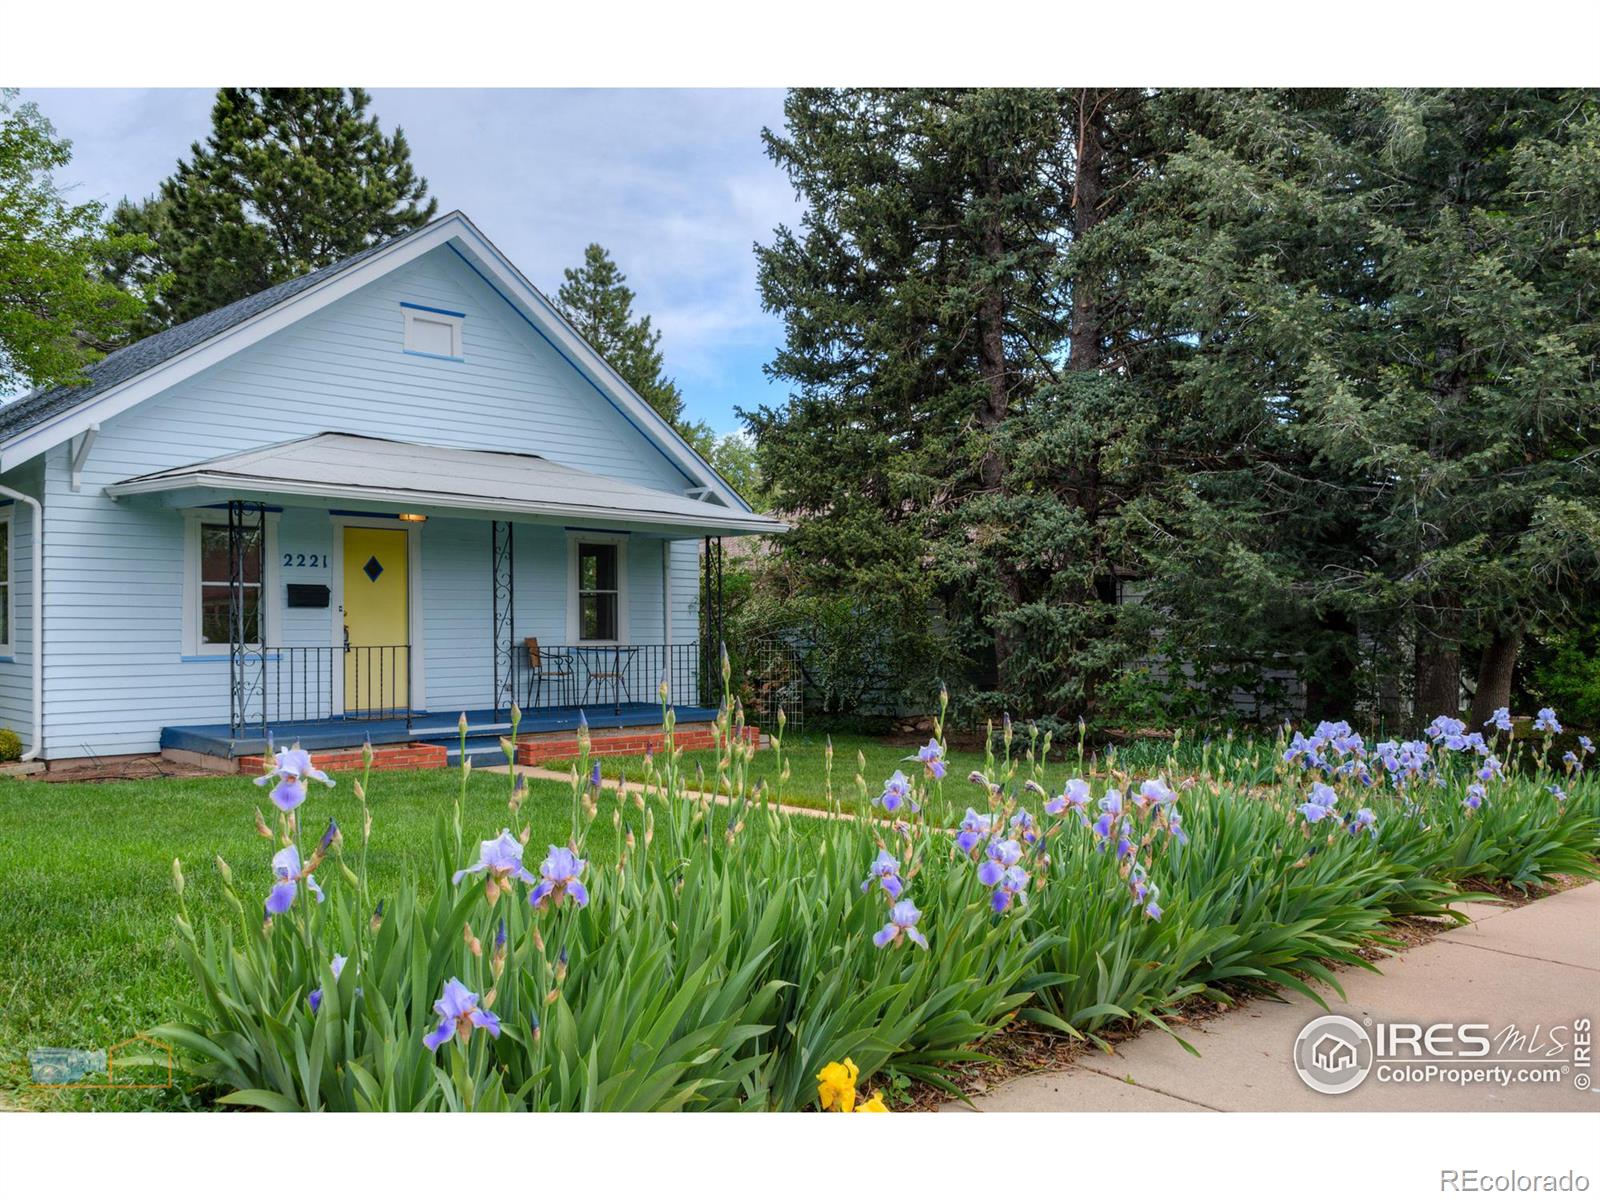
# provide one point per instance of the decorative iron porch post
(711, 620)
(502, 565)
(247, 659)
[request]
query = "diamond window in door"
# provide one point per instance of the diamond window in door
(373, 568)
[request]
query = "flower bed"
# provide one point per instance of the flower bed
(737, 957)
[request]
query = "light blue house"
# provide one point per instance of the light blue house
(347, 508)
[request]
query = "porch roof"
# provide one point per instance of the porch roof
(354, 468)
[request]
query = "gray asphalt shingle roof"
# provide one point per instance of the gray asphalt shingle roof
(122, 365)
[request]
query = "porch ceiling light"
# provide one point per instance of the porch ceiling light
(417, 517)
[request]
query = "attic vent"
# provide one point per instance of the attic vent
(433, 332)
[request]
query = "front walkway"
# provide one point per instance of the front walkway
(1536, 967)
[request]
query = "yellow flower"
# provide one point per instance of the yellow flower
(876, 1104)
(836, 1086)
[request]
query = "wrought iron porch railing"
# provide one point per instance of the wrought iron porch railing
(605, 676)
(289, 684)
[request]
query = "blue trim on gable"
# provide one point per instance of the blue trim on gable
(587, 529)
(444, 357)
(443, 312)
(271, 508)
(582, 374)
(350, 512)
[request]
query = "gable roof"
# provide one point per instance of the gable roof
(119, 366)
(42, 420)
(356, 468)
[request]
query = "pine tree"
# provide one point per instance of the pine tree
(289, 180)
(57, 313)
(597, 302)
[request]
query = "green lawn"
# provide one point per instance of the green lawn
(88, 939)
(805, 754)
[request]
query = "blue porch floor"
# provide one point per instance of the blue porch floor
(484, 730)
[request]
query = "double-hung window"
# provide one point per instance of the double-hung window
(210, 582)
(5, 582)
(599, 592)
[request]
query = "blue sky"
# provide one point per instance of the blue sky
(673, 183)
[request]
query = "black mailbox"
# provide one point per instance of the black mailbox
(308, 595)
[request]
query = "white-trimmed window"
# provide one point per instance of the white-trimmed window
(7, 617)
(207, 581)
(432, 332)
(597, 597)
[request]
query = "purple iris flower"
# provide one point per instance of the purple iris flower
(286, 866)
(896, 791)
(1001, 856)
(1175, 826)
(1103, 824)
(560, 871)
(501, 859)
(1556, 790)
(1365, 819)
(1571, 761)
(1308, 749)
(1111, 802)
(903, 918)
(1154, 791)
(1585, 744)
(1500, 718)
(1321, 805)
(931, 757)
(975, 827)
(1022, 826)
(1491, 768)
(1475, 797)
(886, 873)
(1124, 843)
(1075, 796)
(1153, 910)
(459, 1014)
(1545, 721)
(1011, 885)
(291, 768)
(1443, 727)
(315, 998)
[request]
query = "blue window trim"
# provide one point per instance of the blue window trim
(443, 312)
(7, 658)
(443, 357)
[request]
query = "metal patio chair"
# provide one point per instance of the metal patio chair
(608, 665)
(545, 667)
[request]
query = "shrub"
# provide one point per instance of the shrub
(733, 953)
(10, 746)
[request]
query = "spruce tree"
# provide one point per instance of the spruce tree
(596, 300)
(1375, 315)
(289, 180)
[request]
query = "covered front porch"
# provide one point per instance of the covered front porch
(357, 590)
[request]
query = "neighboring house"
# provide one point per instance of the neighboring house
(338, 509)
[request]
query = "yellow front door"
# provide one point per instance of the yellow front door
(377, 621)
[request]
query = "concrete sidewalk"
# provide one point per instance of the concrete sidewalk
(1536, 968)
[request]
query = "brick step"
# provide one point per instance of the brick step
(624, 743)
(397, 756)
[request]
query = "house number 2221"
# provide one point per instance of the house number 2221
(305, 560)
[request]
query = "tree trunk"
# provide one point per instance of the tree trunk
(1088, 192)
(996, 397)
(1499, 660)
(1437, 691)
